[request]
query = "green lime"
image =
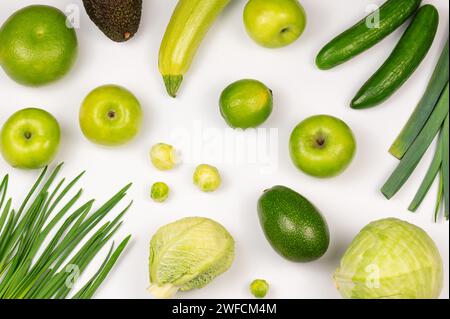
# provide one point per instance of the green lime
(36, 45)
(246, 103)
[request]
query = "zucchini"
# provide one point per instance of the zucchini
(359, 38)
(424, 108)
(403, 61)
(190, 22)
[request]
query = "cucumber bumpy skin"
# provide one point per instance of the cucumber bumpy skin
(360, 37)
(189, 24)
(403, 61)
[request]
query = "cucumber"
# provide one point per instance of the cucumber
(403, 61)
(361, 37)
(188, 26)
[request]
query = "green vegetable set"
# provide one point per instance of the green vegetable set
(49, 240)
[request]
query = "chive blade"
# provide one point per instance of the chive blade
(89, 290)
(3, 190)
(4, 215)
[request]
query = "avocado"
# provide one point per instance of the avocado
(118, 19)
(292, 225)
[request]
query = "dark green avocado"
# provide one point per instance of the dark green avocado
(292, 225)
(118, 19)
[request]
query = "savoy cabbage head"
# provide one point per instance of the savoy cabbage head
(188, 254)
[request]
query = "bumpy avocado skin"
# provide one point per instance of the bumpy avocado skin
(118, 19)
(292, 225)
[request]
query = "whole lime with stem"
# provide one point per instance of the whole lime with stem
(246, 103)
(37, 45)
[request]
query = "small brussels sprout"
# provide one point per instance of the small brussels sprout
(160, 192)
(163, 156)
(259, 288)
(207, 178)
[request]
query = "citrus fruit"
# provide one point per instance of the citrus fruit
(36, 45)
(246, 104)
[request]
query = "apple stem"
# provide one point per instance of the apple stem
(111, 114)
(27, 135)
(320, 140)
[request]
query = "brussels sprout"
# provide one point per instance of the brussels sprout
(207, 178)
(259, 288)
(390, 258)
(163, 156)
(160, 192)
(188, 254)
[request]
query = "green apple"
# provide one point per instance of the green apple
(110, 115)
(322, 146)
(30, 138)
(274, 23)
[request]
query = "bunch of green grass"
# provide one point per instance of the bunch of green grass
(41, 249)
(429, 119)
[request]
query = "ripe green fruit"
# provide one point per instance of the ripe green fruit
(36, 46)
(118, 19)
(246, 104)
(30, 138)
(322, 146)
(274, 23)
(110, 115)
(207, 178)
(292, 225)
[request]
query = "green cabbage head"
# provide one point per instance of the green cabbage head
(188, 254)
(391, 258)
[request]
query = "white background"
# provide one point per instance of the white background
(348, 202)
